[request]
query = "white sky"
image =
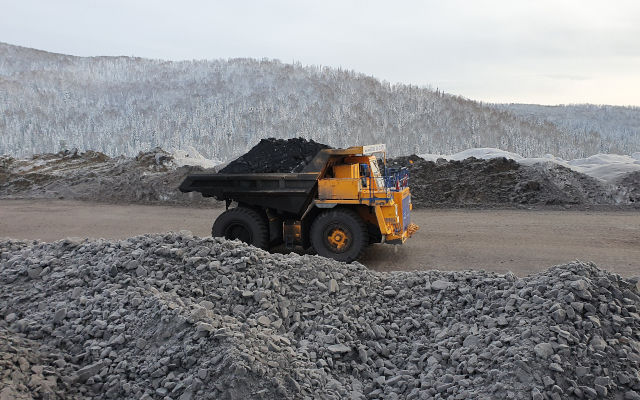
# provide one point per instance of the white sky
(525, 51)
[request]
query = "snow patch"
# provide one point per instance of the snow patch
(192, 157)
(608, 167)
(485, 153)
(432, 157)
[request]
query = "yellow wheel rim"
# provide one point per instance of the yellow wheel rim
(338, 238)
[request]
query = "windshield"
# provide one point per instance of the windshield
(375, 172)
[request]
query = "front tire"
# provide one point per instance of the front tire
(244, 224)
(339, 234)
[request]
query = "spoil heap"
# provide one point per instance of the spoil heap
(150, 177)
(180, 317)
(502, 181)
(471, 181)
(631, 182)
(275, 155)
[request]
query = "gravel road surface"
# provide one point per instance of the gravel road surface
(521, 241)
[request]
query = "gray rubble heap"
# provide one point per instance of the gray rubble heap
(631, 182)
(173, 316)
(150, 177)
(30, 370)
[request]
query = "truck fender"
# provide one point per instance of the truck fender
(313, 205)
(326, 205)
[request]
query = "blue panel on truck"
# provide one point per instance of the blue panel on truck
(406, 212)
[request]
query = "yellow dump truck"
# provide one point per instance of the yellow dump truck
(343, 201)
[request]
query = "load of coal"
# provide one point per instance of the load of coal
(505, 182)
(275, 155)
(174, 316)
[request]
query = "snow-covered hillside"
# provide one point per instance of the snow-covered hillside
(619, 126)
(122, 105)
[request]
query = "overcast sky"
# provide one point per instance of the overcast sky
(542, 51)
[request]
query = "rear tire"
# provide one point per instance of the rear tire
(339, 234)
(244, 224)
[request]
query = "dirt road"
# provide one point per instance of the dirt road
(499, 240)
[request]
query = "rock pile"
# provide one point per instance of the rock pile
(28, 371)
(502, 181)
(150, 177)
(174, 316)
(275, 155)
(631, 182)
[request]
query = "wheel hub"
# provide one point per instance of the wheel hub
(338, 238)
(238, 231)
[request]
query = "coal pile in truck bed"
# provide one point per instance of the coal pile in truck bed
(176, 316)
(275, 155)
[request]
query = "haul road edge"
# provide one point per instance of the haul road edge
(339, 204)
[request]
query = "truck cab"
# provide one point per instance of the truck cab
(381, 196)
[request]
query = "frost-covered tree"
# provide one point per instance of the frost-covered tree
(121, 105)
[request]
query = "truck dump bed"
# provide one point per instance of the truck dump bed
(287, 192)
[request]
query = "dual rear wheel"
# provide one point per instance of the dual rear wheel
(244, 224)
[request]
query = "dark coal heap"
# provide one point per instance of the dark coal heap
(471, 181)
(500, 181)
(275, 155)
